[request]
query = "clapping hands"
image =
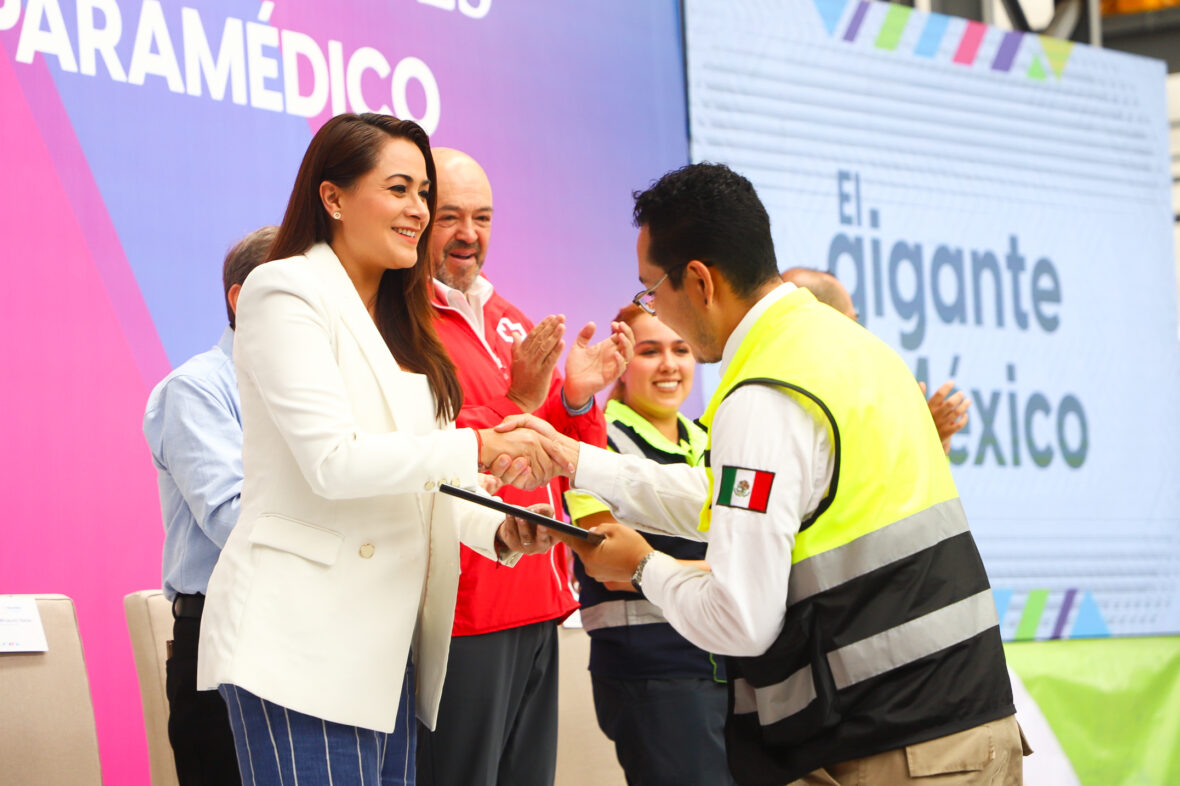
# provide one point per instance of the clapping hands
(588, 369)
(533, 359)
(949, 411)
(591, 367)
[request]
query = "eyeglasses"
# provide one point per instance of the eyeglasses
(643, 299)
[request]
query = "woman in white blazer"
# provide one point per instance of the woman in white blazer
(344, 562)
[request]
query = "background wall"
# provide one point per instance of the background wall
(999, 206)
(143, 139)
(904, 150)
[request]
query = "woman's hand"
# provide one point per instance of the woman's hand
(590, 368)
(525, 536)
(489, 483)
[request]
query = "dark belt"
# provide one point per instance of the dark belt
(188, 607)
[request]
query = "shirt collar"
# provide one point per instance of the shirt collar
(743, 328)
(693, 439)
(477, 296)
(469, 304)
(617, 410)
(226, 342)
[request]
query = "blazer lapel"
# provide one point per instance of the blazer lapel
(359, 323)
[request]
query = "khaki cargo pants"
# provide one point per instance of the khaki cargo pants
(987, 755)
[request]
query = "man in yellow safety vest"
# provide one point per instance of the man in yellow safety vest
(845, 587)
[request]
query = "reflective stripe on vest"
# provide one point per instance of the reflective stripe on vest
(867, 553)
(622, 441)
(620, 614)
(870, 657)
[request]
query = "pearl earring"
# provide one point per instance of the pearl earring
(336, 215)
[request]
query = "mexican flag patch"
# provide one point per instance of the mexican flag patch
(748, 489)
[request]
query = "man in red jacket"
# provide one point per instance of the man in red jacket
(498, 720)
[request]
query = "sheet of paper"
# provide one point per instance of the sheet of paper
(20, 625)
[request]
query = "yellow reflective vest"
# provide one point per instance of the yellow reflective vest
(891, 636)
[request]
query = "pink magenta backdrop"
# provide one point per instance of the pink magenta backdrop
(122, 199)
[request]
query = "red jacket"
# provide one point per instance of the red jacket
(493, 597)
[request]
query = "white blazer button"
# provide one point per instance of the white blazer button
(367, 550)
(428, 485)
(454, 481)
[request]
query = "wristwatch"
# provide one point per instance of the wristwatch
(637, 576)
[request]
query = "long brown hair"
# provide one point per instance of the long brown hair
(342, 151)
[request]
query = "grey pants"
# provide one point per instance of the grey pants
(497, 723)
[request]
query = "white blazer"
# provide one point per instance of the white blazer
(344, 559)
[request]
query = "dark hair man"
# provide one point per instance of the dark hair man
(846, 589)
(193, 425)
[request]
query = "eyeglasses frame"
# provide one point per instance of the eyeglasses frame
(638, 299)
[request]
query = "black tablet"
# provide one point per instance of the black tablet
(495, 503)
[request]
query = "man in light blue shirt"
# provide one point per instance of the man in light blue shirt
(193, 425)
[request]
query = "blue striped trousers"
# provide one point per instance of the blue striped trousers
(281, 747)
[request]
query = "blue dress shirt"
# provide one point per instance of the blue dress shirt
(193, 425)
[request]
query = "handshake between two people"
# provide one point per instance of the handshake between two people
(525, 451)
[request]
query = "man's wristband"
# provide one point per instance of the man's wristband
(580, 410)
(637, 576)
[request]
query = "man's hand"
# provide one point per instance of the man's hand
(523, 457)
(525, 536)
(562, 450)
(615, 558)
(950, 414)
(533, 359)
(590, 368)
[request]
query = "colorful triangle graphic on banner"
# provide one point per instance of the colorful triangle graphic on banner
(1036, 70)
(1089, 622)
(1057, 51)
(830, 11)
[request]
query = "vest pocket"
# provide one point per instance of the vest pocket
(308, 541)
(965, 751)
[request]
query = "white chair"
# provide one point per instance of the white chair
(47, 733)
(149, 621)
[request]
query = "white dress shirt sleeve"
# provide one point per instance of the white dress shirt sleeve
(197, 440)
(738, 608)
(661, 498)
